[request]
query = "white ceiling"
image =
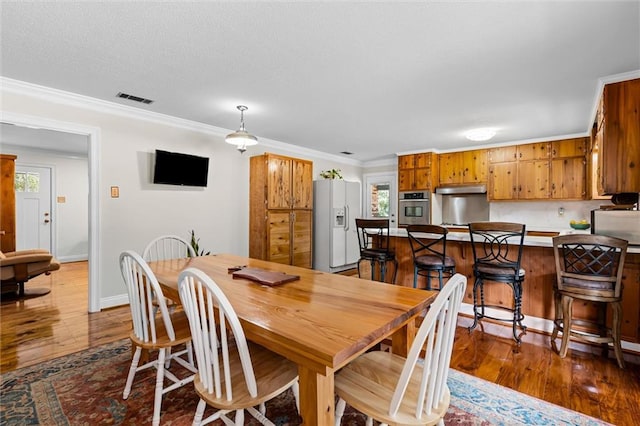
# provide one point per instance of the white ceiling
(372, 78)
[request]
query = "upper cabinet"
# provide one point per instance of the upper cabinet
(464, 167)
(289, 182)
(539, 171)
(417, 172)
(617, 138)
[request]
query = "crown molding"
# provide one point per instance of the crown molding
(85, 102)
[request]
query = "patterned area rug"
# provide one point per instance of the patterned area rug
(86, 389)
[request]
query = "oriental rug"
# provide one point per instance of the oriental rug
(85, 388)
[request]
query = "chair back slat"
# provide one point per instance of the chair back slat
(209, 313)
(435, 338)
(168, 247)
(144, 293)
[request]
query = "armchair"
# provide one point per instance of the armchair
(18, 267)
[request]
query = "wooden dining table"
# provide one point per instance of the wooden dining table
(320, 322)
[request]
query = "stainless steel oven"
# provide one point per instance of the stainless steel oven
(414, 208)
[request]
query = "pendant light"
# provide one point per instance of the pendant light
(241, 138)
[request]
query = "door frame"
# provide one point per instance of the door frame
(53, 230)
(93, 136)
(368, 178)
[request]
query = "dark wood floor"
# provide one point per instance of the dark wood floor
(58, 324)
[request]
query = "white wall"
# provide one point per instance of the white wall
(71, 218)
(218, 213)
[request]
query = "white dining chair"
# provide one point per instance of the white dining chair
(396, 390)
(234, 375)
(162, 332)
(168, 247)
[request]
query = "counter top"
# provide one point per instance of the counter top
(460, 234)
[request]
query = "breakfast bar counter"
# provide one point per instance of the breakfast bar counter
(537, 299)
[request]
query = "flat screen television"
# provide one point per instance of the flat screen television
(174, 168)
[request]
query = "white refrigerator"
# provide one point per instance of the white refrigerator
(336, 204)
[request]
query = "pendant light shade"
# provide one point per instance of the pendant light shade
(241, 138)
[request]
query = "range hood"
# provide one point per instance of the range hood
(462, 189)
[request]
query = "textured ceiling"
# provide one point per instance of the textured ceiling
(372, 78)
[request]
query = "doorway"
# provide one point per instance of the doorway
(33, 207)
(92, 135)
(380, 196)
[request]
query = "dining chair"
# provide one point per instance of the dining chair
(168, 247)
(374, 241)
(497, 254)
(234, 375)
(151, 332)
(412, 390)
(589, 267)
(429, 251)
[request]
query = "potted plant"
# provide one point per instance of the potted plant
(331, 174)
(195, 244)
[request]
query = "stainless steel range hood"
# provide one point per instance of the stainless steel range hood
(462, 189)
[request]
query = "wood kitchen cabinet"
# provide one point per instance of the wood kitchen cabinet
(7, 203)
(464, 167)
(539, 171)
(417, 172)
(618, 136)
(281, 208)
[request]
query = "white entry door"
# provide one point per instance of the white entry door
(380, 197)
(33, 207)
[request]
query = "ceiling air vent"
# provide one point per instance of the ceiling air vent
(346, 152)
(134, 98)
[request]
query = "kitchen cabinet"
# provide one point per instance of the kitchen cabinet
(464, 167)
(539, 171)
(569, 169)
(618, 135)
(280, 209)
(417, 172)
(7, 203)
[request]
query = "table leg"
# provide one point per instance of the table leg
(316, 397)
(403, 338)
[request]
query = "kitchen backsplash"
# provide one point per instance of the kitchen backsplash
(543, 216)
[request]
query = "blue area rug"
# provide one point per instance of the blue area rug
(85, 388)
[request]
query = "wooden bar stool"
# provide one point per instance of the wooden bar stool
(373, 238)
(589, 267)
(429, 250)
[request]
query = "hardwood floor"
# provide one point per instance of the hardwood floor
(57, 324)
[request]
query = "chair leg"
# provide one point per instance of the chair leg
(157, 402)
(239, 420)
(615, 332)
(197, 419)
(132, 372)
(383, 270)
(476, 284)
(557, 314)
(340, 410)
(295, 388)
(395, 270)
(567, 311)
(415, 277)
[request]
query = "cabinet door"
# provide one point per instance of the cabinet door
(450, 168)
(405, 180)
(422, 160)
(302, 184)
(569, 178)
(7, 203)
(502, 154)
(278, 182)
(422, 178)
(534, 151)
(569, 148)
(502, 181)
(302, 226)
(279, 236)
(533, 180)
(405, 162)
(474, 166)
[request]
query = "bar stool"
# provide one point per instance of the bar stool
(497, 251)
(589, 267)
(373, 238)
(429, 250)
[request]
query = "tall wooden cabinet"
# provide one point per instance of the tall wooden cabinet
(617, 136)
(7, 203)
(281, 209)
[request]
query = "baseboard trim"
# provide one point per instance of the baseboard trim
(113, 301)
(73, 258)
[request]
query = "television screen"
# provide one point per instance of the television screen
(173, 168)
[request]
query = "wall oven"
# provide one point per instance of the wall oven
(414, 208)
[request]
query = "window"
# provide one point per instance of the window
(27, 182)
(379, 194)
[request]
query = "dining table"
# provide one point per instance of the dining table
(321, 321)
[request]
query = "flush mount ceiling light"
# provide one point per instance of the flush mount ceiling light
(241, 138)
(480, 134)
